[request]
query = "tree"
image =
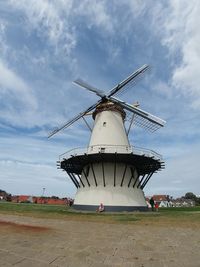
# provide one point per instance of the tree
(190, 195)
(55, 197)
(9, 197)
(193, 197)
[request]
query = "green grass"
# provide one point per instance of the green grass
(176, 209)
(165, 215)
(31, 208)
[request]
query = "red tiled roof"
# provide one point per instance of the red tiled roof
(22, 198)
(41, 200)
(160, 197)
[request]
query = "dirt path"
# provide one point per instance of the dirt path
(27, 242)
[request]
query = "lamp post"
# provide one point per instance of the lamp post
(43, 190)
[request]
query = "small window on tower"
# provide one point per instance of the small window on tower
(104, 124)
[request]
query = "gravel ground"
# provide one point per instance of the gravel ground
(27, 241)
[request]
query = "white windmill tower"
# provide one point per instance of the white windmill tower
(110, 170)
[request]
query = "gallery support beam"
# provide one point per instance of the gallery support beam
(103, 173)
(141, 181)
(78, 175)
(132, 175)
(115, 163)
(95, 180)
(74, 176)
(86, 177)
(137, 178)
(73, 180)
(123, 175)
(81, 180)
(146, 180)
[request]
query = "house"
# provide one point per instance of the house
(20, 199)
(182, 202)
(42, 200)
(148, 202)
(4, 195)
(164, 201)
(50, 200)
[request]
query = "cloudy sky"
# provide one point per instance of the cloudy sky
(45, 45)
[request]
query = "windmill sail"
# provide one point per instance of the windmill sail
(70, 122)
(141, 118)
(85, 85)
(128, 80)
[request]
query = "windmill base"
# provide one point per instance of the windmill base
(110, 208)
(113, 198)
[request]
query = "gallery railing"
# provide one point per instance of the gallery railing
(110, 149)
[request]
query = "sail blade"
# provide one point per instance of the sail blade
(73, 120)
(128, 80)
(143, 118)
(89, 87)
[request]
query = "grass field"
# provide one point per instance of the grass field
(165, 216)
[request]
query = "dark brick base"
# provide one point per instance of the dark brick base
(110, 208)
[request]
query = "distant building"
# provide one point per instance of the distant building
(163, 201)
(148, 202)
(182, 202)
(4, 195)
(20, 199)
(42, 200)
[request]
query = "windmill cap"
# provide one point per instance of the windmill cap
(109, 106)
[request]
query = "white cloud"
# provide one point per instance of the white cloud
(50, 19)
(16, 176)
(12, 84)
(162, 88)
(181, 172)
(182, 37)
(137, 7)
(28, 164)
(96, 13)
(3, 45)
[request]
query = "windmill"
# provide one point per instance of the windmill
(110, 170)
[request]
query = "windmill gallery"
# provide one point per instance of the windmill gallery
(110, 170)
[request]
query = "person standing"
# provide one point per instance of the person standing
(156, 206)
(152, 203)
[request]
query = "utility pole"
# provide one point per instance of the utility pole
(43, 190)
